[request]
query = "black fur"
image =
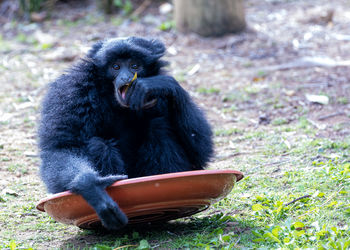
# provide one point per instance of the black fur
(88, 140)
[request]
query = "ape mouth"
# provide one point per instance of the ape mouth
(121, 96)
(123, 89)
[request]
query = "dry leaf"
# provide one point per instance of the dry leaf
(194, 70)
(322, 99)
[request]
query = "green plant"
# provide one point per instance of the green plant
(28, 6)
(167, 25)
(125, 5)
(211, 90)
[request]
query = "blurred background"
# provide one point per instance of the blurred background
(271, 75)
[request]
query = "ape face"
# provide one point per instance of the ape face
(120, 61)
(124, 72)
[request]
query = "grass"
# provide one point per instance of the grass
(263, 211)
(167, 25)
(279, 121)
(211, 90)
(317, 221)
(225, 132)
(342, 100)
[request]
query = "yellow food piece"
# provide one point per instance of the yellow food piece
(129, 84)
(134, 78)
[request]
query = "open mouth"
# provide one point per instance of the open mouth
(122, 95)
(123, 89)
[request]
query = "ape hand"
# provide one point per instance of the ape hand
(143, 92)
(92, 188)
(106, 181)
(109, 212)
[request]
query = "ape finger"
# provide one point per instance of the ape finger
(137, 98)
(109, 180)
(129, 94)
(112, 217)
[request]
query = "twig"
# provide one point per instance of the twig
(315, 85)
(321, 118)
(323, 204)
(297, 199)
(225, 157)
(171, 233)
(308, 62)
(239, 238)
(125, 246)
(141, 8)
(160, 243)
(278, 163)
(275, 163)
(318, 126)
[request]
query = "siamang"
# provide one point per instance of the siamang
(117, 115)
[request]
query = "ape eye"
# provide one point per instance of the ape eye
(134, 66)
(116, 66)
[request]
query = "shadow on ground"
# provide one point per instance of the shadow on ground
(164, 234)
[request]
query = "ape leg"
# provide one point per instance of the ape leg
(160, 153)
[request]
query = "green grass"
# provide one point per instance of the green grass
(211, 90)
(279, 121)
(225, 132)
(167, 25)
(236, 96)
(316, 221)
(263, 210)
(342, 100)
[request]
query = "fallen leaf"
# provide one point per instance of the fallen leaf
(194, 70)
(44, 38)
(321, 99)
(38, 16)
(172, 51)
(61, 54)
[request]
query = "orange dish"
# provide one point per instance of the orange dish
(148, 199)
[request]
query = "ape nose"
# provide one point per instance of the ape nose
(125, 79)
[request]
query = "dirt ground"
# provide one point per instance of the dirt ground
(254, 80)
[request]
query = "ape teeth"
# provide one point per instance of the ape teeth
(122, 90)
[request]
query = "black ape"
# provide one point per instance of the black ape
(98, 126)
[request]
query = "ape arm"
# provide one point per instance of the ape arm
(64, 170)
(191, 127)
(68, 147)
(189, 123)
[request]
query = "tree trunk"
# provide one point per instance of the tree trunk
(106, 6)
(209, 17)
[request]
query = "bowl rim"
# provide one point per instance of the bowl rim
(239, 175)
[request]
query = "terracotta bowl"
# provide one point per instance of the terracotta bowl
(148, 199)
